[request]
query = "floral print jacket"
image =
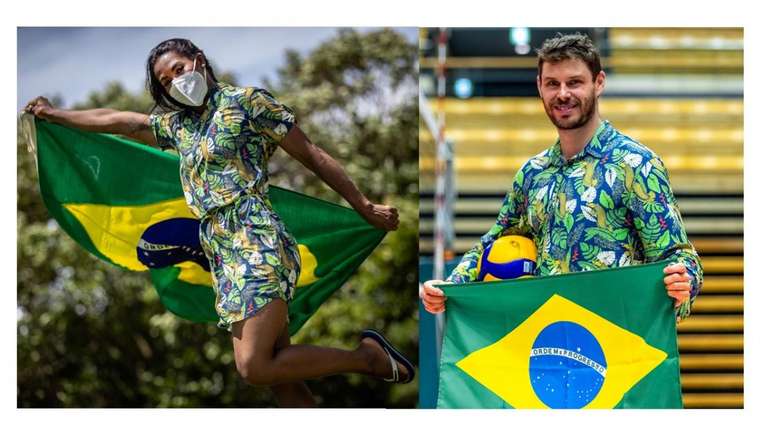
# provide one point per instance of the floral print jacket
(224, 151)
(609, 206)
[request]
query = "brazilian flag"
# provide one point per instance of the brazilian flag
(601, 339)
(122, 201)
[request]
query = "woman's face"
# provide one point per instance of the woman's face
(172, 64)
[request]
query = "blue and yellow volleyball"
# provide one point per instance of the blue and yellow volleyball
(509, 257)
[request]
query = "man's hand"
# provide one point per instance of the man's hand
(678, 283)
(432, 297)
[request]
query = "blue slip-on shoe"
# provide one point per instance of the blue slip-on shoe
(393, 354)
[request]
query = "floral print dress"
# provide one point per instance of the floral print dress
(609, 206)
(224, 153)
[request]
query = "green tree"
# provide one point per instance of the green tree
(92, 335)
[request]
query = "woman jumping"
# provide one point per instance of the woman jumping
(225, 136)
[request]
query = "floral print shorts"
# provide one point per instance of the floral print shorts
(253, 258)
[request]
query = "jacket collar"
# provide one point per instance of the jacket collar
(596, 147)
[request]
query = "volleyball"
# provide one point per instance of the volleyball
(509, 257)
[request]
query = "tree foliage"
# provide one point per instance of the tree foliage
(93, 335)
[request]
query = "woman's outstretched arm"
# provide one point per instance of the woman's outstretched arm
(130, 124)
(330, 171)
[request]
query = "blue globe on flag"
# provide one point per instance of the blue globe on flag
(567, 366)
(509, 257)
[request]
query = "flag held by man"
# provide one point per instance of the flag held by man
(601, 339)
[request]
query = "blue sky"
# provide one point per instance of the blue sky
(73, 61)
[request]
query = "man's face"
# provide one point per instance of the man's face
(569, 94)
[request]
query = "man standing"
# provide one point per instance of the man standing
(596, 198)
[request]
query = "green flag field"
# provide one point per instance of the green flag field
(601, 339)
(122, 201)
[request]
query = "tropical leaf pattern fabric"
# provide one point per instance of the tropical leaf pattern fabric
(253, 258)
(224, 154)
(609, 206)
(225, 150)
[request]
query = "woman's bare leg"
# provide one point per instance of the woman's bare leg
(260, 362)
(294, 394)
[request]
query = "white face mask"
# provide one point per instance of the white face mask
(190, 88)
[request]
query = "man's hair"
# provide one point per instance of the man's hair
(184, 47)
(564, 47)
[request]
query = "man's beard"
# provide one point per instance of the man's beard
(587, 107)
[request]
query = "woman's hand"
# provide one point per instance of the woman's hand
(381, 216)
(40, 107)
(321, 163)
(130, 124)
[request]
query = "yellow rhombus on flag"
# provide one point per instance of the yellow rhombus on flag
(504, 366)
